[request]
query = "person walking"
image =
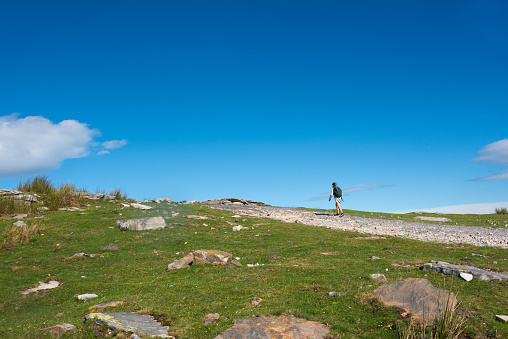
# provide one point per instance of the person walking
(337, 195)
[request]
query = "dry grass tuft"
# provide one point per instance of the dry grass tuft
(19, 234)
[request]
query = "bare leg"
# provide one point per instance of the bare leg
(339, 210)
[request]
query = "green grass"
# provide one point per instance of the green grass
(295, 284)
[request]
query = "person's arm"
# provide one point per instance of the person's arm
(331, 195)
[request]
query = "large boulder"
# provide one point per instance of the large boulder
(153, 223)
(275, 327)
(418, 297)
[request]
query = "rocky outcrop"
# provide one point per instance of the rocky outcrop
(233, 201)
(159, 200)
(153, 223)
(418, 297)
(97, 196)
(450, 269)
(13, 194)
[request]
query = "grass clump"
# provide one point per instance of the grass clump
(10, 206)
(19, 234)
(40, 184)
(501, 211)
(118, 193)
(64, 196)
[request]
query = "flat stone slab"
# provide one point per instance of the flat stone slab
(450, 269)
(275, 327)
(416, 296)
(42, 286)
(440, 219)
(87, 296)
(153, 223)
(141, 206)
(130, 323)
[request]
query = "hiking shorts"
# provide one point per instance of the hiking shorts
(337, 199)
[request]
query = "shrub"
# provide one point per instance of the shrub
(19, 234)
(9, 206)
(39, 184)
(118, 194)
(64, 196)
(501, 210)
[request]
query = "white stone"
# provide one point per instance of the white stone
(141, 206)
(239, 228)
(20, 216)
(42, 286)
(87, 296)
(503, 318)
(466, 276)
(19, 223)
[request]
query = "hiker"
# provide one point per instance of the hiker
(337, 195)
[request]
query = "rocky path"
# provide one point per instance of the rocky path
(478, 236)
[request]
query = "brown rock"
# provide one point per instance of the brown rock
(181, 263)
(256, 301)
(104, 305)
(210, 318)
(214, 257)
(417, 296)
(275, 327)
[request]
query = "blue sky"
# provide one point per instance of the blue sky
(404, 104)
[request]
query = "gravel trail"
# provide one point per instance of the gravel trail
(477, 236)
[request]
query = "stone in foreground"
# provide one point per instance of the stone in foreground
(378, 277)
(275, 327)
(417, 296)
(130, 323)
(153, 223)
(449, 269)
(466, 276)
(58, 330)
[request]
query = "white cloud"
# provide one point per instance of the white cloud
(103, 152)
(495, 177)
(482, 208)
(35, 144)
(496, 153)
(112, 144)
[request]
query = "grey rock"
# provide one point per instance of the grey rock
(19, 223)
(210, 318)
(503, 318)
(416, 296)
(440, 219)
(275, 327)
(450, 269)
(374, 258)
(43, 208)
(58, 330)
(153, 223)
(130, 323)
(181, 263)
(20, 216)
(239, 228)
(233, 201)
(97, 196)
(378, 277)
(71, 209)
(158, 200)
(87, 296)
(13, 194)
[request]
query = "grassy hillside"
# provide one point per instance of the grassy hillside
(293, 277)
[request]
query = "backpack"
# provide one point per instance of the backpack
(337, 192)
